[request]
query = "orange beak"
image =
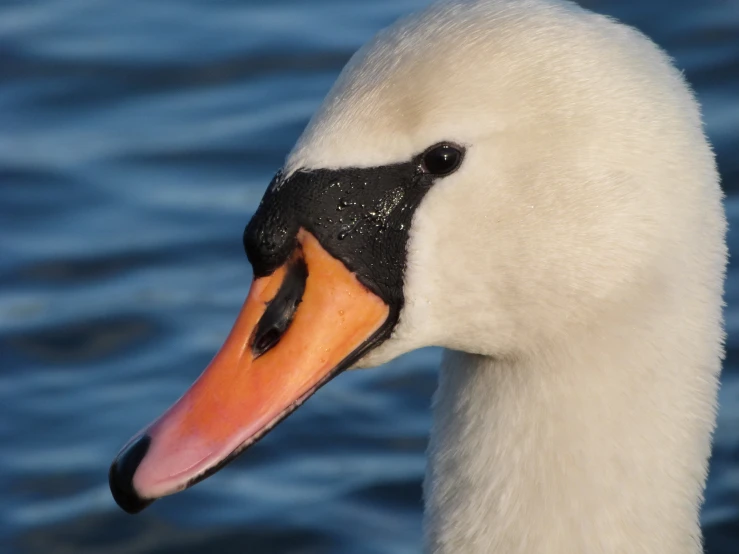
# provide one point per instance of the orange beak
(294, 333)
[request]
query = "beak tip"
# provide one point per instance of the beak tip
(120, 476)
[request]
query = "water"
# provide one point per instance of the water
(136, 139)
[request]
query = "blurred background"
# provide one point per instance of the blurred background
(136, 139)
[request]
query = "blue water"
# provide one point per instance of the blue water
(136, 139)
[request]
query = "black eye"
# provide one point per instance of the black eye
(442, 159)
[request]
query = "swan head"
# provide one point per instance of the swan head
(487, 176)
(584, 168)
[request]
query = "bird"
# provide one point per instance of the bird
(527, 185)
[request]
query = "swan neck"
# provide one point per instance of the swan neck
(600, 449)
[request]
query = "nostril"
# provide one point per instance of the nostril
(266, 341)
(120, 476)
(281, 309)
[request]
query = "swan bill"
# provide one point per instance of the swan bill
(299, 327)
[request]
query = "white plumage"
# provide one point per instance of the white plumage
(573, 267)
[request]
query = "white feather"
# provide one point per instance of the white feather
(573, 267)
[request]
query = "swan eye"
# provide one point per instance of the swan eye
(442, 159)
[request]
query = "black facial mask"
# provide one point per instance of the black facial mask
(361, 216)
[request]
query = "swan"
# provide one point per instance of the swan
(528, 185)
